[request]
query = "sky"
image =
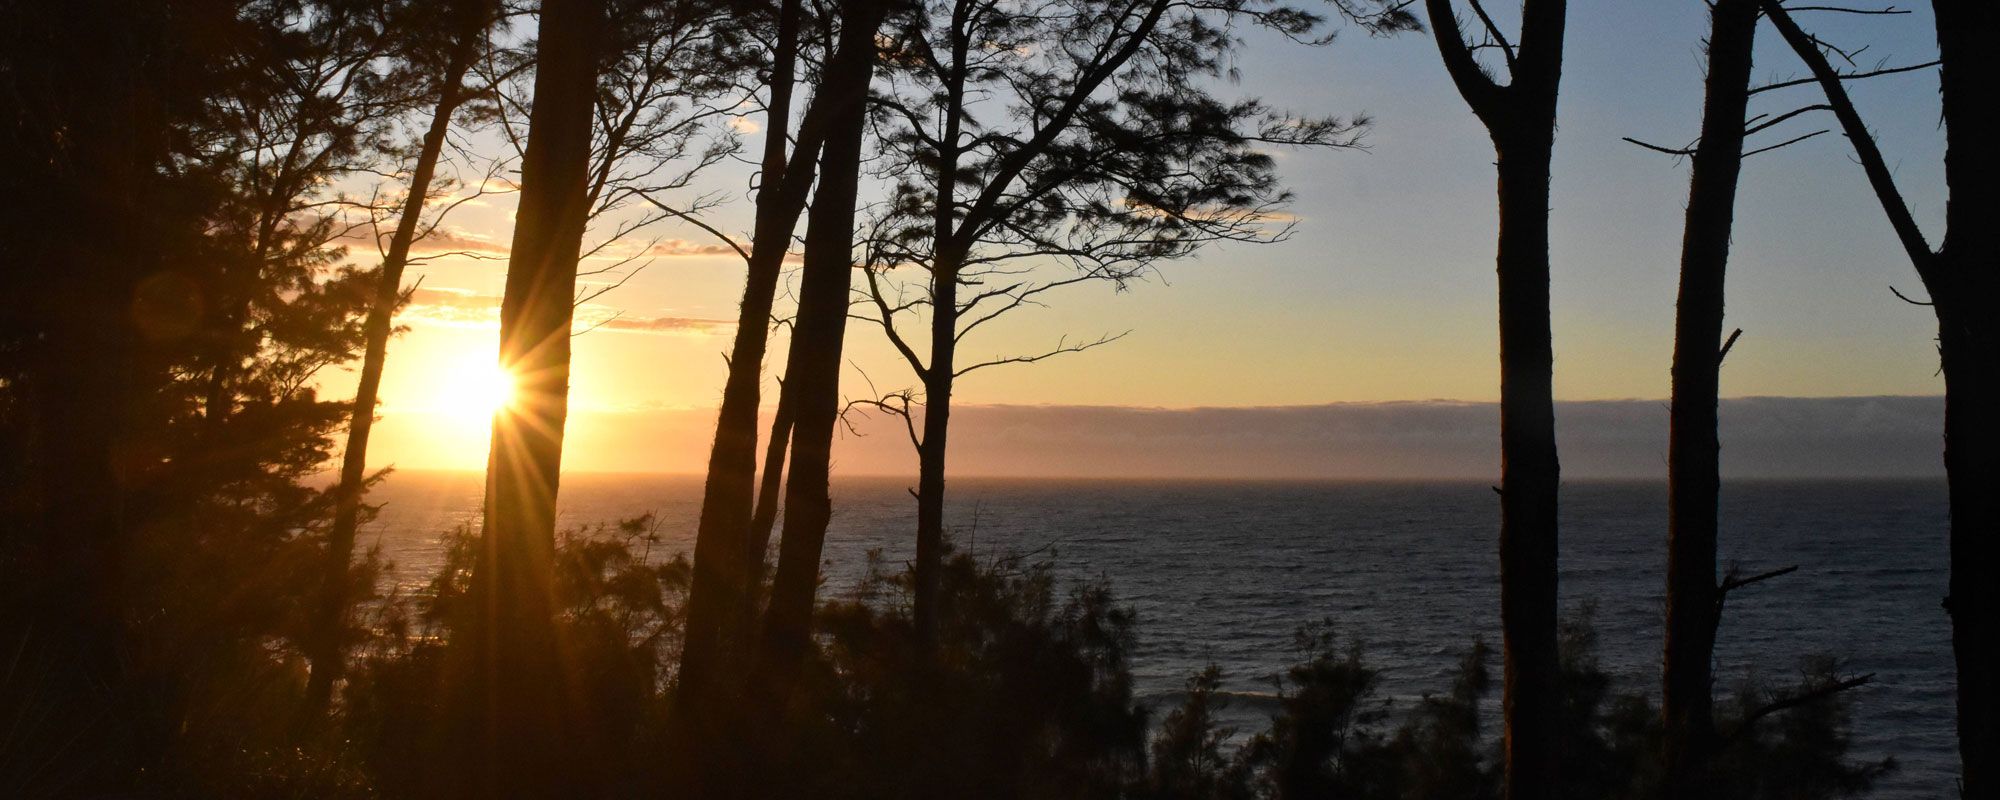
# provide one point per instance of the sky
(1382, 297)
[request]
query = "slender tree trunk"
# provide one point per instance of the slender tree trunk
(813, 380)
(722, 536)
(727, 497)
(523, 741)
(327, 651)
(762, 521)
(1693, 456)
(765, 518)
(938, 379)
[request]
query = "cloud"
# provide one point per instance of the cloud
(442, 240)
(668, 325)
(455, 240)
(682, 248)
(466, 308)
(461, 308)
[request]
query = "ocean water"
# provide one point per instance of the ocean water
(1224, 572)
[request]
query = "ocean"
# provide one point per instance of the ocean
(1225, 572)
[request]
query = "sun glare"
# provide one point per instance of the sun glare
(474, 390)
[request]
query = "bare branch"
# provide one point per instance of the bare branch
(1785, 143)
(641, 193)
(1724, 352)
(1750, 129)
(1846, 10)
(1062, 346)
(1499, 39)
(1844, 76)
(1865, 148)
(1733, 583)
(1672, 151)
(1900, 296)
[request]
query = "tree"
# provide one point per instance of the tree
(1694, 485)
(460, 30)
(509, 685)
(102, 213)
(716, 611)
(812, 373)
(1962, 275)
(1520, 116)
(1028, 136)
(313, 105)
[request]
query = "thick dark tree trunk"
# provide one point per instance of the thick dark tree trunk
(1968, 308)
(1529, 475)
(1963, 277)
(84, 140)
(812, 379)
(1521, 118)
(327, 650)
(1970, 343)
(720, 550)
(1693, 477)
(522, 740)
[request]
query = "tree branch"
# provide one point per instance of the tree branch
(1865, 149)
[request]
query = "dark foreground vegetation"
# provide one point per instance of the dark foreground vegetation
(1028, 695)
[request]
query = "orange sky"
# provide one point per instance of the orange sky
(1384, 292)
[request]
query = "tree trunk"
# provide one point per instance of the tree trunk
(1521, 118)
(938, 379)
(86, 239)
(727, 496)
(1969, 342)
(522, 741)
(1693, 477)
(762, 521)
(327, 651)
(1529, 475)
(1963, 277)
(813, 380)
(765, 518)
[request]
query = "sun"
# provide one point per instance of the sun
(473, 390)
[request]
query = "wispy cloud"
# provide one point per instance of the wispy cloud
(682, 248)
(466, 308)
(364, 243)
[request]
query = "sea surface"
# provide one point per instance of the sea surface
(1225, 572)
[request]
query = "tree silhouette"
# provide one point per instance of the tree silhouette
(1693, 472)
(510, 684)
(1520, 116)
(1962, 276)
(1026, 135)
(460, 29)
(716, 611)
(812, 377)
